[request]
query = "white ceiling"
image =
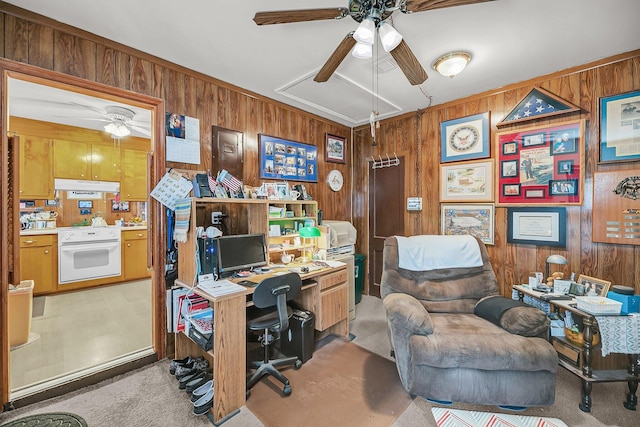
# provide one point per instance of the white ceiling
(510, 41)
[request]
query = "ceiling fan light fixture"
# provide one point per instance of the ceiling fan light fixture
(389, 36)
(366, 31)
(362, 51)
(451, 64)
(117, 130)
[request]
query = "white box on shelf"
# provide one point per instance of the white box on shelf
(598, 305)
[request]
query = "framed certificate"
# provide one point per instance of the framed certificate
(537, 226)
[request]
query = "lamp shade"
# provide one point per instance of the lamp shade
(309, 232)
(389, 36)
(557, 259)
(452, 64)
(366, 32)
(117, 129)
(362, 51)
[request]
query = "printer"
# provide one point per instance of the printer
(338, 239)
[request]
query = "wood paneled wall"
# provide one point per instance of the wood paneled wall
(417, 137)
(37, 40)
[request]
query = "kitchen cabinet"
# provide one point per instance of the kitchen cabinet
(39, 262)
(36, 165)
(134, 254)
(82, 160)
(133, 182)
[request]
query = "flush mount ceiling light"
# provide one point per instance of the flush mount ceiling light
(451, 64)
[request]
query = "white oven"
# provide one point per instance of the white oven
(86, 253)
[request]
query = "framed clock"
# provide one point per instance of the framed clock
(466, 138)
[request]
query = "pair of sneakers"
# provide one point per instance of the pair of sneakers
(202, 398)
(180, 367)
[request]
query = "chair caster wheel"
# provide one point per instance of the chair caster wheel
(286, 390)
(298, 364)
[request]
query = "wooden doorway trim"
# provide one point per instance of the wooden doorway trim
(155, 225)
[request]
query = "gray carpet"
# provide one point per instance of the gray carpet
(150, 396)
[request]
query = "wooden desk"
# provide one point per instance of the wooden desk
(325, 293)
(584, 369)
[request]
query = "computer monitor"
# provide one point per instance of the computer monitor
(240, 252)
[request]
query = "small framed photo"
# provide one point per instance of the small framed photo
(565, 167)
(509, 168)
(511, 190)
(563, 187)
(467, 181)
(282, 189)
(593, 286)
(563, 142)
(510, 148)
(466, 138)
(620, 127)
(533, 139)
(476, 219)
(334, 150)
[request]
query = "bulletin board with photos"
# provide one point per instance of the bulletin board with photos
(541, 165)
(286, 160)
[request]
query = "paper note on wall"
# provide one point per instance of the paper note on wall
(171, 187)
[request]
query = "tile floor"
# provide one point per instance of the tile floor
(81, 330)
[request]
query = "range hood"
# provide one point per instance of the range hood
(80, 185)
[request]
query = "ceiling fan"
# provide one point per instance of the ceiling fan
(119, 120)
(377, 11)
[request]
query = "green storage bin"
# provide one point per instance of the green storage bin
(359, 275)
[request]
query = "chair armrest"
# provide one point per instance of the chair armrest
(406, 312)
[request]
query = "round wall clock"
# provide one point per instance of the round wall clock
(464, 138)
(335, 180)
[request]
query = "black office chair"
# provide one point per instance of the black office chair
(272, 295)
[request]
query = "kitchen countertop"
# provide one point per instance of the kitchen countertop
(45, 231)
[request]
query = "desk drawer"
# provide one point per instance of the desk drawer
(333, 279)
(333, 307)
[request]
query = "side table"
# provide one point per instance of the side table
(587, 373)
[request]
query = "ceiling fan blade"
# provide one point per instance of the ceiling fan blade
(94, 109)
(335, 59)
(139, 129)
(422, 5)
(287, 16)
(84, 118)
(409, 64)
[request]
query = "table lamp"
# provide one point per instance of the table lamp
(554, 259)
(307, 233)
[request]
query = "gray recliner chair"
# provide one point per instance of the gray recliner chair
(454, 338)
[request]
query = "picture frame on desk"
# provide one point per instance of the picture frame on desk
(594, 286)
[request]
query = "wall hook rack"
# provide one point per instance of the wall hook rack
(385, 163)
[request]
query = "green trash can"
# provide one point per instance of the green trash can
(359, 275)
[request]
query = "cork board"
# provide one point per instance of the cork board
(616, 215)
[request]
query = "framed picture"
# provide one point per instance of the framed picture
(466, 138)
(334, 149)
(565, 167)
(467, 181)
(593, 286)
(620, 127)
(286, 160)
(537, 226)
(547, 165)
(476, 219)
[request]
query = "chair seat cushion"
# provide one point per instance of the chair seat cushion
(513, 316)
(469, 341)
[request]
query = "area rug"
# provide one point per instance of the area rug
(460, 418)
(52, 419)
(341, 385)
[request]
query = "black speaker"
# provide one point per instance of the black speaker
(208, 256)
(298, 339)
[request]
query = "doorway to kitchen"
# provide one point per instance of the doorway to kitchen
(82, 331)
